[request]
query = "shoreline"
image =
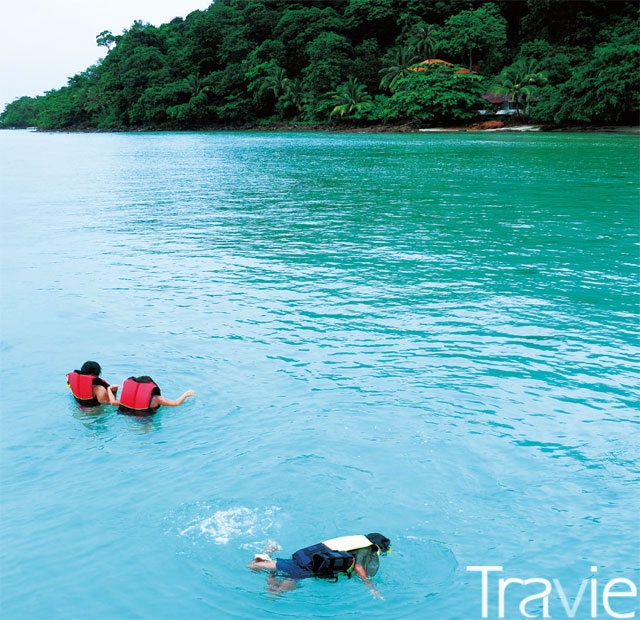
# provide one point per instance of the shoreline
(474, 127)
(621, 129)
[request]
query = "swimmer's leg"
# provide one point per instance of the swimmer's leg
(277, 586)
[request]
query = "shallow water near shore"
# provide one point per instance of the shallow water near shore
(432, 336)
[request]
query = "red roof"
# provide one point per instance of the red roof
(437, 62)
(426, 64)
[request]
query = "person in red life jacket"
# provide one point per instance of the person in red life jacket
(141, 396)
(88, 388)
(357, 554)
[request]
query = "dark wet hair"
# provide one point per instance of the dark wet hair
(143, 379)
(147, 379)
(380, 541)
(91, 368)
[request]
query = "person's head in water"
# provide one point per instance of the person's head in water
(381, 542)
(91, 368)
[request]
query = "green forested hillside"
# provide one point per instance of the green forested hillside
(356, 61)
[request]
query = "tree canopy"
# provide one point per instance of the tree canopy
(355, 61)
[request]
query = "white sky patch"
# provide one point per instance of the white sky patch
(43, 43)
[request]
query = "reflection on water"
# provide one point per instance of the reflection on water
(95, 419)
(100, 420)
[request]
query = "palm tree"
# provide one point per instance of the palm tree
(95, 99)
(422, 39)
(519, 82)
(292, 96)
(351, 97)
(196, 84)
(400, 66)
(275, 81)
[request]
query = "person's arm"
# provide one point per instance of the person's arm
(111, 395)
(156, 401)
(105, 394)
(362, 573)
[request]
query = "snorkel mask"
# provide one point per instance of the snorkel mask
(382, 543)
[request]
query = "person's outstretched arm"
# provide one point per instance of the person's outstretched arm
(362, 573)
(161, 400)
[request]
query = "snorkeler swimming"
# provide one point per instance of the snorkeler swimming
(330, 558)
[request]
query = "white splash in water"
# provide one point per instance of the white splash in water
(236, 522)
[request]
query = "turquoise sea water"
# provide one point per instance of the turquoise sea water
(433, 336)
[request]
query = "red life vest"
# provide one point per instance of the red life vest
(82, 387)
(136, 395)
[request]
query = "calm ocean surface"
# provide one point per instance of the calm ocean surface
(433, 336)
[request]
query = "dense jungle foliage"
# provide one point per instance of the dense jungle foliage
(356, 62)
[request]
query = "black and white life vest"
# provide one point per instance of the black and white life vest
(331, 557)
